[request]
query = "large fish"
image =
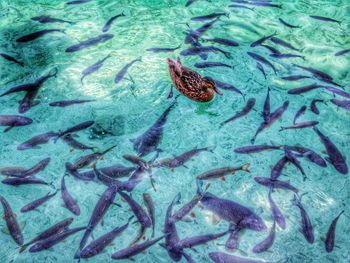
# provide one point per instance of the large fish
(14, 121)
(90, 42)
(11, 222)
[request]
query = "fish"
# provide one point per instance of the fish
(33, 142)
(220, 172)
(267, 242)
(342, 103)
(147, 199)
(120, 75)
(28, 101)
(334, 155)
(66, 103)
(342, 52)
(211, 65)
(273, 50)
(287, 24)
(186, 208)
(171, 93)
(282, 43)
(53, 240)
(75, 2)
(227, 86)
(326, 19)
(306, 226)
(210, 16)
(99, 244)
(266, 113)
(135, 249)
(293, 158)
(90, 42)
(295, 77)
(68, 200)
(286, 55)
(81, 126)
(110, 21)
(23, 180)
(300, 125)
(68, 138)
(241, 6)
(162, 49)
(106, 199)
(300, 112)
(277, 169)
(221, 257)
(194, 51)
(262, 4)
(149, 140)
(255, 149)
(261, 59)
(276, 212)
(36, 203)
(247, 108)
(12, 59)
(320, 75)
(261, 68)
(37, 34)
(337, 91)
(313, 106)
(261, 40)
(304, 89)
(190, 242)
(222, 41)
(56, 228)
(330, 237)
(93, 68)
(14, 121)
(193, 36)
(11, 222)
(48, 19)
(309, 154)
(275, 184)
(232, 241)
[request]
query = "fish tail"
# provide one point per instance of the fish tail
(245, 167)
(199, 186)
(23, 247)
(282, 128)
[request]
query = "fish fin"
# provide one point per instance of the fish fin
(8, 128)
(215, 219)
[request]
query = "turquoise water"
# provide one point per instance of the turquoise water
(125, 110)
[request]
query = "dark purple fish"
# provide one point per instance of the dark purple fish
(261, 40)
(334, 155)
(261, 60)
(322, 76)
(36, 203)
(90, 42)
(227, 86)
(193, 36)
(190, 242)
(273, 50)
(261, 69)
(76, 2)
(195, 51)
(11, 222)
(53, 240)
(293, 158)
(14, 121)
(132, 251)
(149, 140)
(313, 106)
(40, 166)
(99, 244)
(342, 103)
(300, 112)
(261, 3)
(49, 19)
(68, 200)
(265, 181)
(220, 172)
(247, 108)
(330, 237)
(287, 24)
(53, 230)
(286, 55)
(162, 49)
(304, 89)
(256, 149)
(282, 43)
(337, 91)
(81, 126)
(266, 113)
(241, 6)
(150, 209)
(93, 68)
(211, 65)
(68, 138)
(210, 16)
(309, 154)
(12, 59)
(296, 77)
(28, 101)
(276, 213)
(301, 125)
(277, 169)
(186, 208)
(267, 242)
(23, 180)
(171, 93)
(120, 75)
(326, 19)
(66, 103)
(221, 257)
(223, 41)
(38, 34)
(306, 226)
(37, 140)
(233, 239)
(342, 52)
(109, 23)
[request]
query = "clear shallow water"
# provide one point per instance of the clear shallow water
(128, 109)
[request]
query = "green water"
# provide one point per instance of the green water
(127, 109)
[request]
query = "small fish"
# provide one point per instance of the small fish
(322, 76)
(190, 242)
(261, 40)
(266, 113)
(309, 154)
(295, 77)
(255, 149)
(37, 34)
(14, 121)
(313, 106)
(49, 19)
(287, 24)
(220, 172)
(36, 203)
(186, 208)
(68, 138)
(300, 112)
(276, 213)
(306, 226)
(262, 60)
(286, 55)
(90, 42)
(221, 257)
(326, 19)
(337, 91)
(23, 180)
(304, 89)
(76, 2)
(93, 68)
(12, 59)
(195, 51)
(282, 43)
(273, 50)
(227, 86)
(300, 125)
(277, 169)
(109, 23)
(330, 237)
(222, 41)
(171, 93)
(193, 36)
(275, 184)
(11, 222)
(293, 158)
(68, 200)
(162, 49)
(120, 75)
(28, 101)
(37, 140)
(342, 52)
(81, 126)
(261, 68)
(66, 103)
(247, 108)
(210, 16)
(261, 4)
(211, 64)
(241, 6)
(342, 103)
(267, 242)
(150, 209)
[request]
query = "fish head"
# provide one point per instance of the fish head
(253, 222)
